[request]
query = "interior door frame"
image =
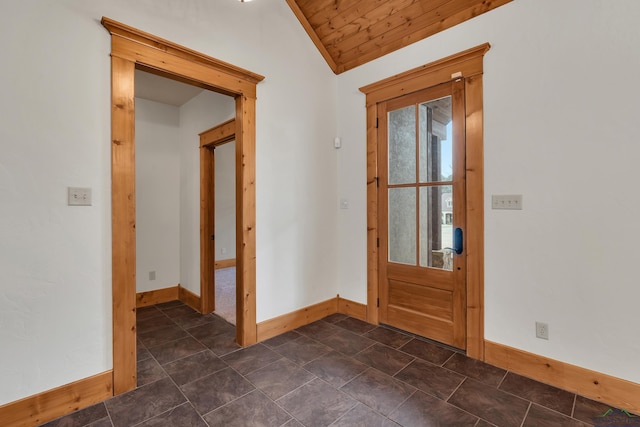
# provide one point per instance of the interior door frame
(131, 49)
(468, 66)
(209, 140)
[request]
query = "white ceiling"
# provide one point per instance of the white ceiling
(164, 90)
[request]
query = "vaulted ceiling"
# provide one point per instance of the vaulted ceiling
(349, 33)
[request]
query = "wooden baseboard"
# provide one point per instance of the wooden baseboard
(189, 298)
(157, 296)
(287, 322)
(49, 405)
(352, 308)
(613, 391)
(224, 263)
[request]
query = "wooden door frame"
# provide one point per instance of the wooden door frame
(131, 49)
(209, 140)
(466, 65)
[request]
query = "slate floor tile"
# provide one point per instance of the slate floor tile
(215, 390)
(378, 391)
(336, 371)
(355, 325)
(251, 358)
(361, 416)
(148, 371)
(317, 404)
(539, 416)
(388, 337)
(383, 358)
(222, 344)
(542, 394)
(281, 339)
(428, 351)
(318, 329)
(422, 409)
(496, 406)
(147, 325)
(162, 335)
(335, 368)
(347, 342)
(82, 417)
(194, 367)
(174, 350)
(475, 369)
(279, 378)
(251, 410)
(586, 409)
(303, 350)
(182, 416)
(143, 403)
(430, 378)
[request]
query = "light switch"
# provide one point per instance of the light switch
(508, 201)
(344, 203)
(79, 196)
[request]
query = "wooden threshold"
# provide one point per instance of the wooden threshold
(49, 405)
(613, 391)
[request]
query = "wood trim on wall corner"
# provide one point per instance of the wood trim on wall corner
(352, 308)
(613, 391)
(189, 298)
(224, 263)
(156, 296)
(49, 405)
(290, 321)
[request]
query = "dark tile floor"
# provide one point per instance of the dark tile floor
(337, 371)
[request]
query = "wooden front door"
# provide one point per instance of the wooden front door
(421, 161)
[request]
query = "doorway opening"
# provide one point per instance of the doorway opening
(131, 49)
(217, 221)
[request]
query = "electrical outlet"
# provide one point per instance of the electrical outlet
(542, 330)
(152, 275)
(223, 251)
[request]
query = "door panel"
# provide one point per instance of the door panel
(422, 281)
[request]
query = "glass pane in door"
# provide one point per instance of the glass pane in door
(436, 227)
(436, 156)
(402, 145)
(402, 225)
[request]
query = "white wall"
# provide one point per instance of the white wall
(157, 195)
(561, 128)
(55, 260)
(225, 201)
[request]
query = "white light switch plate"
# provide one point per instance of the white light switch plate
(507, 201)
(79, 196)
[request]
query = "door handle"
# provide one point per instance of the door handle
(458, 244)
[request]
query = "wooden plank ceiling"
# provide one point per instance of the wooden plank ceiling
(349, 33)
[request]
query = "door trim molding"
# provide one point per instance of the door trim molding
(209, 140)
(130, 49)
(467, 65)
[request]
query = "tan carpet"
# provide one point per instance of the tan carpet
(226, 294)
